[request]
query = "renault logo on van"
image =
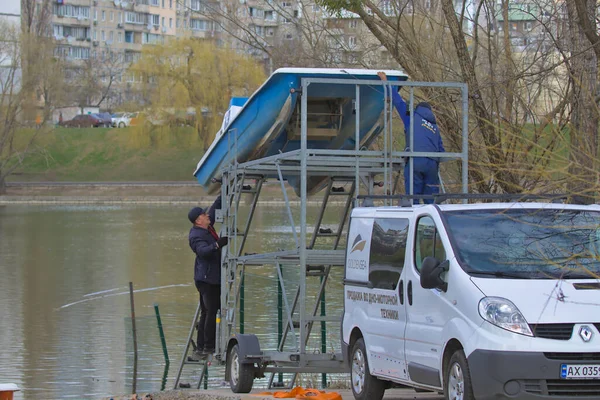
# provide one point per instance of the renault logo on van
(358, 245)
(585, 333)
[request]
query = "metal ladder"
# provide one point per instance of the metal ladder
(185, 361)
(238, 184)
(320, 271)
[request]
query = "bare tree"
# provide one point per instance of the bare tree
(289, 33)
(95, 80)
(584, 46)
(519, 85)
(15, 143)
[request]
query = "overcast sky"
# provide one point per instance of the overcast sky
(10, 6)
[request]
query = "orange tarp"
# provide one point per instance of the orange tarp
(300, 393)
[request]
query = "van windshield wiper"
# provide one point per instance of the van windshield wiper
(499, 274)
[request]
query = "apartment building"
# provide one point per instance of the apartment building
(10, 14)
(531, 25)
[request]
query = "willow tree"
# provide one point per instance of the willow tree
(189, 72)
(520, 87)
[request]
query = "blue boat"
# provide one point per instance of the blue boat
(268, 122)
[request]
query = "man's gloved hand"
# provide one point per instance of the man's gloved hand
(222, 241)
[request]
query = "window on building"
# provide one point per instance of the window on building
(112, 16)
(196, 5)
(103, 15)
(163, 21)
(270, 32)
(67, 10)
(95, 15)
(316, 8)
(119, 37)
(155, 19)
(170, 22)
(152, 38)
(200, 25)
(289, 36)
(353, 23)
(170, 3)
(111, 36)
(128, 37)
(120, 17)
(351, 41)
(286, 4)
(185, 24)
(513, 26)
(388, 252)
(95, 35)
(269, 16)
(102, 36)
(135, 18)
(528, 26)
(177, 23)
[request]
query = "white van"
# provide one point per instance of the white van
(478, 301)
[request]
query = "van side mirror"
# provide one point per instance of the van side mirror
(431, 269)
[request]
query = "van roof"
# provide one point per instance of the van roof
(370, 211)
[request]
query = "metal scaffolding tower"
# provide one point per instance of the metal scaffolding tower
(346, 174)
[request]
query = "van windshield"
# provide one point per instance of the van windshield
(527, 244)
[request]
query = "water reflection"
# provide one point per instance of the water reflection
(64, 299)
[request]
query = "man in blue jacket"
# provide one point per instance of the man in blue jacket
(426, 137)
(206, 244)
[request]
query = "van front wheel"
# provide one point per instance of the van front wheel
(364, 385)
(457, 378)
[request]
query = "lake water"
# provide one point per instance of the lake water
(65, 314)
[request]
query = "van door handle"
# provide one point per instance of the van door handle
(401, 292)
(409, 293)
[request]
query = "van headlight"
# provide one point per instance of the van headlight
(504, 314)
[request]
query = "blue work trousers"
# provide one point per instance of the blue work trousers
(426, 179)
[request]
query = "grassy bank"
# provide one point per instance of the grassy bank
(99, 154)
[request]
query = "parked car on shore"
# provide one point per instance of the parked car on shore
(83, 121)
(106, 119)
(121, 120)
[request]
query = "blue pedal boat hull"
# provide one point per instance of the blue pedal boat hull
(269, 121)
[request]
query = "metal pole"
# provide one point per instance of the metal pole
(357, 144)
(162, 333)
(205, 375)
(303, 178)
(135, 352)
(279, 321)
(411, 134)
(242, 302)
(323, 336)
(465, 140)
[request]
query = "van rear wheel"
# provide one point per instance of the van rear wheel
(364, 385)
(457, 378)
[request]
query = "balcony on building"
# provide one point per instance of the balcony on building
(141, 6)
(138, 21)
(70, 14)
